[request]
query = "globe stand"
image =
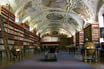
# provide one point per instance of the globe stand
(90, 57)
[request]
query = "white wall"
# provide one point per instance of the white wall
(100, 17)
(101, 20)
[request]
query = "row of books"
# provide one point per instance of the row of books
(91, 33)
(14, 33)
(80, 38)
(7, 14)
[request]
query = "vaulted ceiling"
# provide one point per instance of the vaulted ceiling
(63, 16)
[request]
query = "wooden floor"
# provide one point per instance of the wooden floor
(65, 61)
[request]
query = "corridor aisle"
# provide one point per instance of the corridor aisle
(65, 61)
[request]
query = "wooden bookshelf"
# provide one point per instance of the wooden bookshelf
(16, 34)
(92, 33)
(7, 14)
(74, 39)
(66, 41)
(80, 38)
(33, 31)
(25, 26)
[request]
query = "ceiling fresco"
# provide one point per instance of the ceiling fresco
(44, 15)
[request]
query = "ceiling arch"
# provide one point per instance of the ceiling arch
(101, 16)
(59, 29)
(76, 14)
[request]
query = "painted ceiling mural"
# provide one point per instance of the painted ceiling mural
(44, 15)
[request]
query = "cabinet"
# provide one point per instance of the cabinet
(92, 33)
(80, 38)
